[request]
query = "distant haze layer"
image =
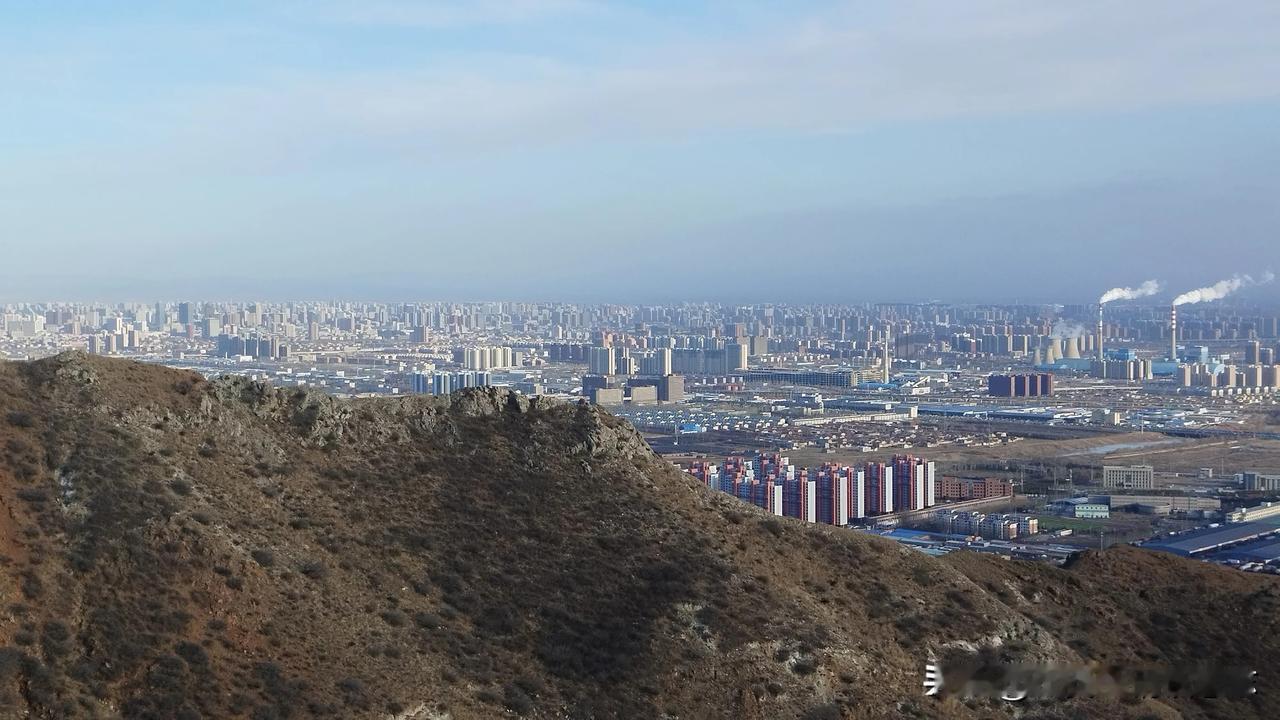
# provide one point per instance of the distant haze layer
(637, 152)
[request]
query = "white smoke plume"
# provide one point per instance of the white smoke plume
(1146, 289)
(1221, 289)
(1065, 330)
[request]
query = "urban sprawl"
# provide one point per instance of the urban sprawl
(1031, 430)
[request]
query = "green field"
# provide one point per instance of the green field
(1079, 525)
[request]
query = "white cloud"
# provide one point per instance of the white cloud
(837, 71)
(446, 13)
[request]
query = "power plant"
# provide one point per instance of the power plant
(1146, 289)
(1051, 354)
(1216, 291)
(1071, 348)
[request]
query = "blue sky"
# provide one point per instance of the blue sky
(985, 150)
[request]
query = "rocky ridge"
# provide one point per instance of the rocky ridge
(180, 548)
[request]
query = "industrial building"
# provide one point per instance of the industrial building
(1200, 505)
(1264, 550)
(1260, 481)
(642, 394)
(639, 390)
(669, 388)
(1205, 540)
(1128, 477)
(1257, 512)
(607, 396)
(938, 544)
(816, 378)
(1025, 414)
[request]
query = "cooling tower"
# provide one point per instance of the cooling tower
(1051, 355)
(1072, 348)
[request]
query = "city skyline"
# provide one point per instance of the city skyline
(407, 359)
(598, 151)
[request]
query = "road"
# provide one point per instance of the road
(996, 503)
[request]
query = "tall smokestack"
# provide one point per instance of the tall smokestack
(1173, 333)
(1101, 357)
(888, 338)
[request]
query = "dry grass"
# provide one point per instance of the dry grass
(179, 549)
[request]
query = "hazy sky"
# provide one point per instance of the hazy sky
(646, 151)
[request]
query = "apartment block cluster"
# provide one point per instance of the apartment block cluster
(665, 361)
(488, 358)
(444, 383)
(1128, 369)
(1020, 385)
(234, 346)
(1258, 378)
(994, 526)
(620, 374)
(111, 343)
(831, 494)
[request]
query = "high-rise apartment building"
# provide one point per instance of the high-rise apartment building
(600, 361)
(1252, 352)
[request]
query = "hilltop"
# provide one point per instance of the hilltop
(174, 547)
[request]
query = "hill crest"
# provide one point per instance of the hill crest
(177, 547)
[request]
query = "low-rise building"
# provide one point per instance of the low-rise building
(1083, 507)
(993, 526)
(956, 488)
(1128, 477)
(1260, 482)
(607, 396)
(1257, 512)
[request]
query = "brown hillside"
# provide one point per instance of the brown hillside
(176, 548)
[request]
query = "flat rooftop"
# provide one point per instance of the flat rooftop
(1263, 550)
(1202, 541)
